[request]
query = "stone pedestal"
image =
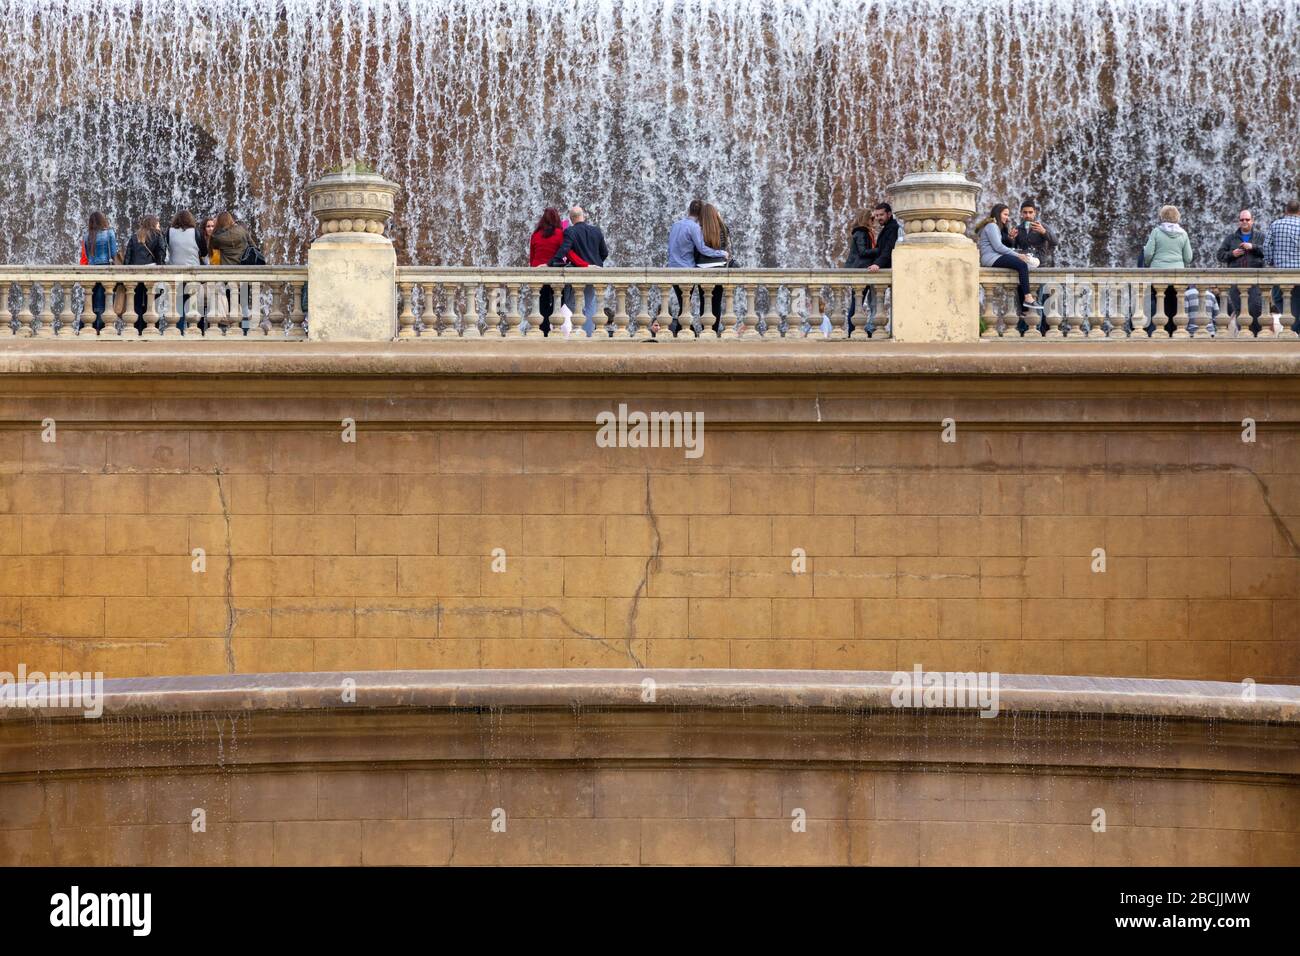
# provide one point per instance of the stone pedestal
(935, 265)
(351, 266)
(351, 288)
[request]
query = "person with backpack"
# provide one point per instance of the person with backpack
(146, 247)
(235, 247)
(98, 248)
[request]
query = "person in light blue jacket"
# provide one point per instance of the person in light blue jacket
(996, 253)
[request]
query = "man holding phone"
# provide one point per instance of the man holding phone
(1032, 237)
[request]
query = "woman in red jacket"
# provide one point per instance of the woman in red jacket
(546, 238)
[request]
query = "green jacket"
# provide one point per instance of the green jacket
(1167, 247)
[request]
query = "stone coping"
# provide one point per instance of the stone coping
(27, 358)
(688, 688)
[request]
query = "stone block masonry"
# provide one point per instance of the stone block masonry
(476, 523)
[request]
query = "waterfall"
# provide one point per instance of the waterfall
(787, 115)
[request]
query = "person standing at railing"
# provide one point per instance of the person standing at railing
(715, 234)
(99, 248)
(1243, 248)
(229, 242)
(862, 241)
(1282, 251)
(542, 246)
(993, 239)
(145, 248)
(888, 231)
(186, 246)
(1168, 247)
(588, 242)
(685, 239)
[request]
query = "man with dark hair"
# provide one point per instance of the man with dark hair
(685, 239)
(881, 256)
(1282, 251)
(1032, 237)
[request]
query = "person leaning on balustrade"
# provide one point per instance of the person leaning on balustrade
(98, 248)
(685, 241)
(542, 247)
(186, 246)
(229, 242)
(862, 241)
(717, 236)
(1168, 247)
(996, 253)
(1282, 251)
(146, 247)
(1243, 248)
(589, 243)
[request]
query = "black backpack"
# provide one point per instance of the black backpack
(252, 256)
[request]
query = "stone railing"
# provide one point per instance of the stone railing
(179, 303)
(1094, 304)
(754, 304)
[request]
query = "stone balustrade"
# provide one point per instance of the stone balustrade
(1095, 304)
(756, 304)
(192, 304)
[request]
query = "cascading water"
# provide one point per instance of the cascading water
(787, 115)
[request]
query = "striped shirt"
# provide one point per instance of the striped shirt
(1282, 246)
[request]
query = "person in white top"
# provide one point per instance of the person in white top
(186, 246)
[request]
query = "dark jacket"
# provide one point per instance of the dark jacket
(1253, 257)
(1042, 247)
(231, 242)
(883, 254)
(150, 253)
(860, 249)
(584, 239)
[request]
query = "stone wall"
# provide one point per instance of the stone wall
(378, 554)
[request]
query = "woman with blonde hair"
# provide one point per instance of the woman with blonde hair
(1168, 247)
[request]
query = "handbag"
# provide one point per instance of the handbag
(84, 261)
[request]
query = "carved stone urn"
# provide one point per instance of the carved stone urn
(935, 204)
(351, 201)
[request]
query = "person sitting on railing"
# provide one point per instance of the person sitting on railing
(584, 245)
(212, 257)
(1033, 237)
(186, 246)
(99, 248)
(1282, 251)
(229, 242)
(1168, 247)
(995, 253)
(1243, 249)
(685, 239)
(145, 248)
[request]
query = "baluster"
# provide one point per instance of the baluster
(295, 314)
(66, 317)
(1203, 321)
(406, 319)
(276, 318)
(665, 314)
(1141, 299)
(1101, 300)
(1051, 315)
(1220, 322)
(24, 311)
(534, 308)
(772, 321)
(428, 324)
(1121, 298)
(621, 318)
(1288, 316)
(449, 310)
(470, 329)
(514, 312)
(45, 321)
(1180, 313)
(988, 313)
(838, 309)
(642, 322)
(493, 294)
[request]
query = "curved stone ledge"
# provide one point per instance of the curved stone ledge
(34, 358)
(704, 689)
(588, 771)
